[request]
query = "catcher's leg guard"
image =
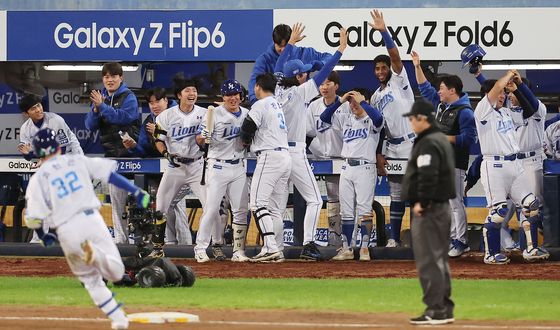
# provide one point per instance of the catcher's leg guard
(266, 229)
(530, 210)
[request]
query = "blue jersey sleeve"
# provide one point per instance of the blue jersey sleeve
(467, 127)
(429, 93)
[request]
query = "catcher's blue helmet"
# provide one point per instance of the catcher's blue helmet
(230, 87)
(45, 143)
(472, 53)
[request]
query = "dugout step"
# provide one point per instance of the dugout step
(186, 251)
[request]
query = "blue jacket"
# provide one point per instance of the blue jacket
(467, 136)
(145, 145)
(124, 115)
(267, 60)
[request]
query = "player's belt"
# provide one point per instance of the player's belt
(275, 149)
(401, 139)
(229, 161)
(184, 160)
(508, 157)
(356, 162)
(523, 155)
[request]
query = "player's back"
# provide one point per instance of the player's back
(294, 101)
(62, 187)
(272, 131)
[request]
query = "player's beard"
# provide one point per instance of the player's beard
(387, 78)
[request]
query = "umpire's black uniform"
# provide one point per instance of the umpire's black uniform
(429, 180)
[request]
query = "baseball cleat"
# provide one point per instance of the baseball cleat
(535, 254)
(344, 254)
(218, 253)
(201, 257)
(89, 253)
(391, 243)
(426, 320)
(119, 325)
(267, 257)
(278, 259)
(496, 259)
(239, 256)
(311, 252)
(364, 254)
(458, 249)
(514, 248)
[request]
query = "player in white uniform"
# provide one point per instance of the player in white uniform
(178, 145)
(327, 144)
(502, 174)
(360, 133)
(265, 129)
(61, 193)
(226, 173)
(294, 92)
(393, 98)
(38, 119)
(552, 140)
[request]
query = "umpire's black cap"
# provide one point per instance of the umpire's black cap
(421, 108)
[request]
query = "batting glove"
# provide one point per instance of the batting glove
(170, 158)
(49, 239)
(142, 198)
(206, 135)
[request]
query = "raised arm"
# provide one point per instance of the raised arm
(379, 24)
(426, 89)
(499, 86)
(330, 64)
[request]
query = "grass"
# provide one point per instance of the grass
(475, 299)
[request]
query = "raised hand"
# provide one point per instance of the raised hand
(96, 97)
(415, 58)
(378, 21)
(343, 40)
(297, 33)
(345, 97)
(517, 77)
(357, 96)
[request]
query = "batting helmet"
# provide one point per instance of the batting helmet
(45, 143)
(472, 54)
(230, 87)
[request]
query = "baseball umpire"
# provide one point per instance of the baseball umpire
(428, 184)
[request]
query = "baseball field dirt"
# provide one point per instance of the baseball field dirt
(469, 267)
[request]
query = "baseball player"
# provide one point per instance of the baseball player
(37, 119)
(227, 175)
(552, 140)
(360, 134)
(145, 147)
(178, 126)
(455, 117)
(528, 115)
(265, 129)
(393, 98)
(294, 92)
(61, 193)
(502, 174)
(327, 144)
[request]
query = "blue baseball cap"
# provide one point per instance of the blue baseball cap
(295, 67)
(231, 87)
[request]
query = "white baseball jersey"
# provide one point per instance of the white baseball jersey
(496, 130)
(64, 134)
(294, 101)
(272, 132)
(328, 138)
(62, 187)
(225, 143)
(530, 131)
(360, 137)
(181, 129)
(552, 140)
(393, 101)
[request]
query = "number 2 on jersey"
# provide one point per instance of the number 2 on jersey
(282, 121)
(66, 185)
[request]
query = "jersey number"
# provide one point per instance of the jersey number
(282, 122)
(66, 185)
